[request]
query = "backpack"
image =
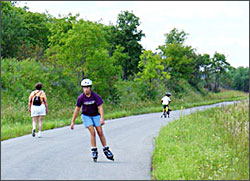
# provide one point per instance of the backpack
(37, 100)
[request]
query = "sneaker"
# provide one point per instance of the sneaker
(33, 132)
(39, 134)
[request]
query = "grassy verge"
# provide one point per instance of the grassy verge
(208, 145)
(16, 120)
(187, 102)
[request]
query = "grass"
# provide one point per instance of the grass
(16, 120)
(208, 145)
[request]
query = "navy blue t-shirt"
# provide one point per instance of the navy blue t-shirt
(89, 104)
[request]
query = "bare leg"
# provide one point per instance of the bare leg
(35, 118)
(92, 136)
(40, 123)
(101, 135)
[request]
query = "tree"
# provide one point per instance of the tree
(36, 41)
(178, 62)
(219, 67)
(82, 50)
(58, 28)
(151, 71)
(206, 70)
(24, 33)
(12, 29)
(177, 57)
(240, 78)
(128, 36)
(175, 36)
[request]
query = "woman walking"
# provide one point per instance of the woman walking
(38, 108)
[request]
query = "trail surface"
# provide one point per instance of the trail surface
(63, 154)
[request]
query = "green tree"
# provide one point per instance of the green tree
(82, 50)
(58, 28)
(36, 41)
(175, 37)
(195, 78)
(178, 62)
(219, 67)
(13, 29)
(240, 78)
(206, 70)
(127, 35)
(24, 33)
(151, 72)
(178, 59)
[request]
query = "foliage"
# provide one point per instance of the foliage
(219, 67)
(178, 62)
(175, 37)
(24, 34)
(18, 79)
(13, 31)
(151, 72)
(83, 49)
(206, 70)
(74, 44)
(240, 78)
(58, 27)
(128, 36)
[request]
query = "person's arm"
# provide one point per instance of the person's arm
(30, 102)
(46, 105)
(101, 111)
(74, 117)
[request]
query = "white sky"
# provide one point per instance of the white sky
(221, 26)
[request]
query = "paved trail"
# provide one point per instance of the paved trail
(63, 154)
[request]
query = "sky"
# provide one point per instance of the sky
(212, 26)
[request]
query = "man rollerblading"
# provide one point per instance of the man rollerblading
(108, 153)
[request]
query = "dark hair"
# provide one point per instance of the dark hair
(39, 86)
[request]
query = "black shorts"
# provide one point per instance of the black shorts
(164, 106)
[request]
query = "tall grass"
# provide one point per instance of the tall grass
(208, 145)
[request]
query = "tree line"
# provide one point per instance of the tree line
(112, 56)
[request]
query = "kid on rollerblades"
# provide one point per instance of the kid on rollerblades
(165, 103)
(92, 117)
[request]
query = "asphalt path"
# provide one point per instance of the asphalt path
(64, 154)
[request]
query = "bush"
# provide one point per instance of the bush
(19, 79)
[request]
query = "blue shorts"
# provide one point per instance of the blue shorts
(91, 120)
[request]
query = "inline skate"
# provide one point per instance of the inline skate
(108, 153)
(94, 154)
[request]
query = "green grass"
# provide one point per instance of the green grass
(208, 145)
(16, 120)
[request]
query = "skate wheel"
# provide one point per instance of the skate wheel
(95, 159)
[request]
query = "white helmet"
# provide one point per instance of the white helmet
(86, 83)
